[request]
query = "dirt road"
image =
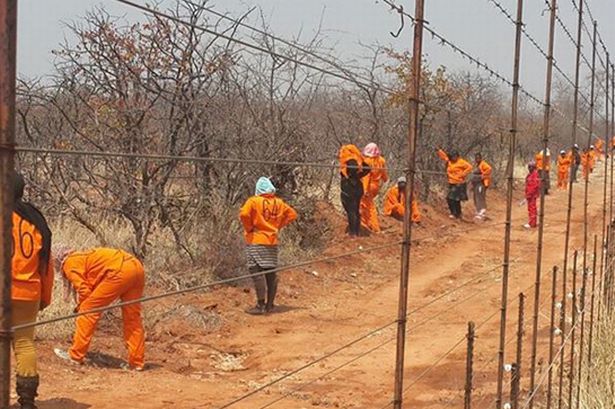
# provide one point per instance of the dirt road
(331, 304)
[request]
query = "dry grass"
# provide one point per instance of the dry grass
(599, 392)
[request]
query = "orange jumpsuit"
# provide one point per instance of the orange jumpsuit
(543, 164)
(592, 160)
(100, 276)
(371, 187)
(349, 152)
(263, 217)
(586, 163)
(32, 285)
(563, 170)
(599, 148)
(457, 171)
(31, 281)
(395, 205)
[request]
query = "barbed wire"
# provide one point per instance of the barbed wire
(206, 286)
(587, 30)
(389, 340)
(354, 342)
(443, 41)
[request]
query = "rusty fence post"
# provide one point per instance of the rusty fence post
(8, 46)
(469, 365)
(573, 305)
(509, 203)
(552, 330)
(541, 222)
(591, 315)
(516, 373)
(404, 279)
(582, 340)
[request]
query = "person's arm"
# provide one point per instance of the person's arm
(47, 284)
(443, 155)
(467, 168)
(289, 215)
(245, 215)
(365, 170)
(74, 270)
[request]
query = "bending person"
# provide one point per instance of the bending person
(98, 277)
(395, 202)
(457, 170)
(32, 275)
(263, 216)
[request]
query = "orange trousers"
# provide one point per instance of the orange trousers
(369, 212)
(586, 171)
(562, 179)
(126, 284)
(416, 213)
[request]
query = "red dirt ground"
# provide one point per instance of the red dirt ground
(343, 300)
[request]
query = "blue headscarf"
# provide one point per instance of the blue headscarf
(264, 186)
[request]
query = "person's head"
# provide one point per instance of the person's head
(531, 166)
(453, 156)
(478, 157)
(19, 185)
(264, 186)
(371, 150)
(60, 253)
(592, 147)
(402, 183)
(562, 153)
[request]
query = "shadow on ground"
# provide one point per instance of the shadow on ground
(59, 403)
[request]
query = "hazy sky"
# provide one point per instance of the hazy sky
(475, 25)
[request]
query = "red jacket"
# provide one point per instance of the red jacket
(532, 185)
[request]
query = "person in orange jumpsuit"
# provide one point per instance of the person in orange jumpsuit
(263, 216)
(395, 202)
(564, 160)
(32, 285)
(371, 186)
(599, 145)
(480, 181)
(586, 163)
(593, 157)
(543, 165)
(457, 170)
(352, 171)
(98, 277)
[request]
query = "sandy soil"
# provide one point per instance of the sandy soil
(210, 362)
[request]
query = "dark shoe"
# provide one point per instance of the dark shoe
(27, 387)
(258, 310)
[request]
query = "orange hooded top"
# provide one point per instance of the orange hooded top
(347, 153)
(485, 171)
(86, 269)
(263, 217)
(31, 280)
(457, 171)
(563, 163)
(378, 174)
(539, 161)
